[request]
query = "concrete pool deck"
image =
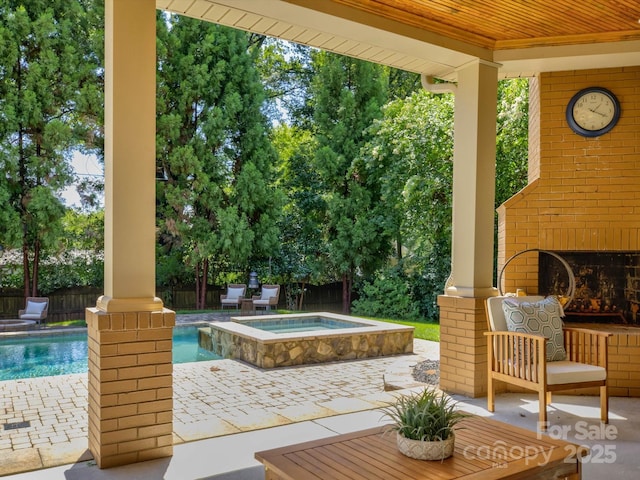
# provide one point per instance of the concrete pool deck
(219, 424)
(211, 399)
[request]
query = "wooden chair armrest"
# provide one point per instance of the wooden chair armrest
(586, 346)
(255, 297)
(21, 312)
(223, 297)
(590, 331)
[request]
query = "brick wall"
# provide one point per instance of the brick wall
(130, 386)
(584, 193)
(463, 346)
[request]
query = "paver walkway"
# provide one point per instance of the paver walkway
(211, 398)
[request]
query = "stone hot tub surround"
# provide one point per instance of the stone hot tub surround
(355, 338)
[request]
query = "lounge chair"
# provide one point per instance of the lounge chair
(268, 297)
(233, 297)
(36, 309)
(544, 362)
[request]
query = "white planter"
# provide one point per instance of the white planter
(421, 450)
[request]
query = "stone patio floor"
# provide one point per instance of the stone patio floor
(211, 399)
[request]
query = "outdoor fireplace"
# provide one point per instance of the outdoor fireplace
(607, 285)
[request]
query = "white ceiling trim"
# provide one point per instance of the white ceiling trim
(413, 49)
(280, 19)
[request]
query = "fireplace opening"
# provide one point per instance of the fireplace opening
(607, 285)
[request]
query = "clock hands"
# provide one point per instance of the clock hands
(594, 110)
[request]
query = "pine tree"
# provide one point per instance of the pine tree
(217, 207)
(49, 104)
(348, 96)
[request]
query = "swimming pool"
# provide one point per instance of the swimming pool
(66, 352)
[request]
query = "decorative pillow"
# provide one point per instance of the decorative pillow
(542, 317)
(35, 308)
(267, 293)
(233, 293)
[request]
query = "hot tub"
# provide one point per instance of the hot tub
(271, 341)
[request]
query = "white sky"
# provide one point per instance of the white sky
(83, 165)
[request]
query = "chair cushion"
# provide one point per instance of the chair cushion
(261, 302)
(267, 293)
(233, 293)
(35, 308)
(230, 301)
(573, 372)
(29, 316)
(542, 317)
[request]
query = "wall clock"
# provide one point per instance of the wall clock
(593, 111)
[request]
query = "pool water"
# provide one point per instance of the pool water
(46, 355)
(299, 324)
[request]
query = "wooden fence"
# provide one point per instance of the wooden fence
(70, 304)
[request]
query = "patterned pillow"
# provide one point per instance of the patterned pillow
(542, 317)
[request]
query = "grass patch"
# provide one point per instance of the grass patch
(422, 330)
(66, 323)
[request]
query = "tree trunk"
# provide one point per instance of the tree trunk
(301, 298)
(346, 294)
(203, 284)
(202, 270)
(36, 268)
(197, 285)
(25, 269)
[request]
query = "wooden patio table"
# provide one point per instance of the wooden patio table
(484, 449)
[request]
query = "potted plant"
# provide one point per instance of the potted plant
(424, 424)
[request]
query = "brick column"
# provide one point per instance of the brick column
(463, 346)
(130, 386)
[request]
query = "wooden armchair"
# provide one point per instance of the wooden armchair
(233, 297)
(268, 297)
(521, 359)
(36, 309)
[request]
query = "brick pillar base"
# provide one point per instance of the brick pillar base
(463, 346)
(130, 386)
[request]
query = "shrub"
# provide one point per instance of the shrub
(387, 297)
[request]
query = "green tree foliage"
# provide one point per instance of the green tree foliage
(218, 207)
(402, 84)
(49, 104)
(78, 261)
(512, 143)
(410, 156)
(286, 72)
(303, 251)
(347, 96)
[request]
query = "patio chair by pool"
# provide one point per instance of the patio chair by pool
(233, 297)
(35, 309)
(268, 297)
(532, 350)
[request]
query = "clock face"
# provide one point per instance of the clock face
(593, 112)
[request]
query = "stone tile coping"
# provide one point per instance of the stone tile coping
(241, 326)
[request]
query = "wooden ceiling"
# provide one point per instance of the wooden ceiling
(437, 37)
(504, 24)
